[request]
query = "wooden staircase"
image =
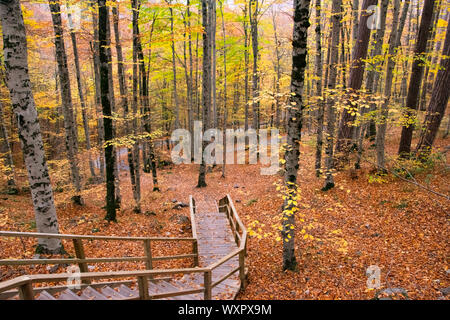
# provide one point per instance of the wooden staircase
(219, 245)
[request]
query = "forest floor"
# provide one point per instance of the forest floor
(389, 223)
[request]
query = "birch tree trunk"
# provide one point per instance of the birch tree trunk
(24, 107)
(174, 68)
(66, 95)
(292, 154)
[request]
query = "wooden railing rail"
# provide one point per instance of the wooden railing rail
(26, 292)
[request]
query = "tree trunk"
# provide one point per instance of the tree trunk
(253, 15)
(277, 70)
(110, 156)
(5, 151)
(356, 77)
(206, 85)
(134, 176)
(415, 79)
(213, 27)
(146, 104)
(81, 95)
(96, 67)
(333, 51)
(373, 77)
(394, 42)
(225, 110)
(246, 66)
(24, 107)
(438, 102)
(112, 99)
(66, 95)
(299, 52)
(174, 68)
(319, 71)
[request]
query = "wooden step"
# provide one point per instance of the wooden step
(44, 295)
(112, 294)
(127, 292)
(68, 295)
(90, 293)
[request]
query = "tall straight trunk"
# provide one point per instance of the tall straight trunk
(225, 107)
(355, 20)
(24, 107)
(356, 77)
(134, 101)
(206, 85)
(96, 67)
(277, 70)
(319, 71)
(246, 65)
(253, 15)
(299, 53)
(415, 79)
(174, 69)
(112, 99)
(134, 174)
(145, 100)
(6, 153)
(333, 51)
(110, 156)
(189, 74)
(438, 102)
(429, 54)
(372, 80)
(394, 43)
(66, 95)
(84, 115)
(214, 64)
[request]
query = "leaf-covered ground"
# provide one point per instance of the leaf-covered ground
(389, 223)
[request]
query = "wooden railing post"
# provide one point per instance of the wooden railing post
(207, 283)
(143, 288)
(242, 269)
(195, 251)
(148, 254)
(26, 291)
(79, 253)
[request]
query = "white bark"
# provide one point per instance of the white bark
(24, 107)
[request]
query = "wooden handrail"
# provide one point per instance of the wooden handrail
(38, 278)
(87, 237)
(24, 283)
